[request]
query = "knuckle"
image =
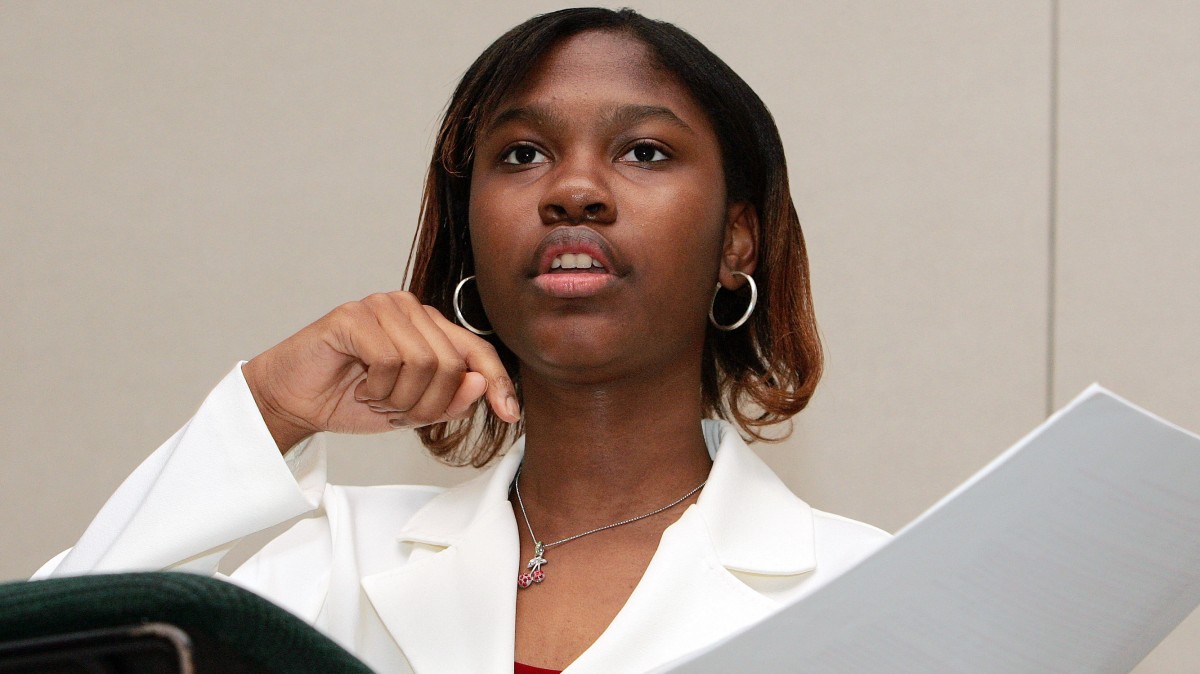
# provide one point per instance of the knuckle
(453, 366)
(423, 363)
(485, 348)
(405, 298)
(388, 363)
(432, 311)
(376, 300)
(400, 401)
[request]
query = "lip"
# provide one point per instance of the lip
(573, 239)
(569, 285)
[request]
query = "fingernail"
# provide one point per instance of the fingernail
(514, 410)
(396, 423)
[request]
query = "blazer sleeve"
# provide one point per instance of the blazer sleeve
(218, 479)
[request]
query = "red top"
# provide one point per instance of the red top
(529, 669)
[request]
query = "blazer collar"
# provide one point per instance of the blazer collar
(756, 523)
(452, 606)
(450, 515)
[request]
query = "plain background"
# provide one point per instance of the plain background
(999, 199)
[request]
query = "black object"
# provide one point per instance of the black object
(144, 623)
(153, 648)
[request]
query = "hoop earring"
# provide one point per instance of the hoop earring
(749, 310)
(462, 320)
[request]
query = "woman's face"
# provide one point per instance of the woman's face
(601, 161)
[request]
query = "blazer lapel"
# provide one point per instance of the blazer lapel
(746, 523)
(758, 526)
(685, 600)
(452, 607)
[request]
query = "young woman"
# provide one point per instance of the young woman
(608, 266)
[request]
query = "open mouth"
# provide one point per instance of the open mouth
(576, 263)
(574, 250)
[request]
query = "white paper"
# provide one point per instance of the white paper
(1077, 550)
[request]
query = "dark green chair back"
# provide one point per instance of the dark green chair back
(135, 623)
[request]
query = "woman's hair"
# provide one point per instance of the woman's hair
(757, 375)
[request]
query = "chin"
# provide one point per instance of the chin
(580, 349)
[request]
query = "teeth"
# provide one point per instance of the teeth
(575, 261)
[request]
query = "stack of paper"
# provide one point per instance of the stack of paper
(1077, 550)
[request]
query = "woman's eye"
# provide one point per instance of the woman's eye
(523, 154)
(644, 153)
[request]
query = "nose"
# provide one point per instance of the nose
(577, 194)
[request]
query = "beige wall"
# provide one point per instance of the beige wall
(1000, 209)
(1128, 227)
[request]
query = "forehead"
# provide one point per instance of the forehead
(603, 68)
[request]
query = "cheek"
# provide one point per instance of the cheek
(505, 230)
(684, 224)
(679, 255)
(481, 216)
(493, 217)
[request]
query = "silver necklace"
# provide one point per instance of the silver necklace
(533, 570)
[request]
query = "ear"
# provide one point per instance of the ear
(740, 249)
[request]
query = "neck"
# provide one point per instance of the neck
(600, 452)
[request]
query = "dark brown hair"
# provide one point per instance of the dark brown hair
(757, 375)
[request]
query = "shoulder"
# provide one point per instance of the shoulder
(842, 542)
(353, 532)
(844, 528)
(837, 544)
(760, 528)
(354, 522)
(396, 499)
(371, 519)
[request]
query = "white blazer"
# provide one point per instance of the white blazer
(421, 579)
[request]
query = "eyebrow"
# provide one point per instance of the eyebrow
(624, 115)
(628, 115)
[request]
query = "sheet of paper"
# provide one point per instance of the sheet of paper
(1077, 550)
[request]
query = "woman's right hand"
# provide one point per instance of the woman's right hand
(370, 366)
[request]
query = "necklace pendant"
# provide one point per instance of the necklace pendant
(534, 573)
